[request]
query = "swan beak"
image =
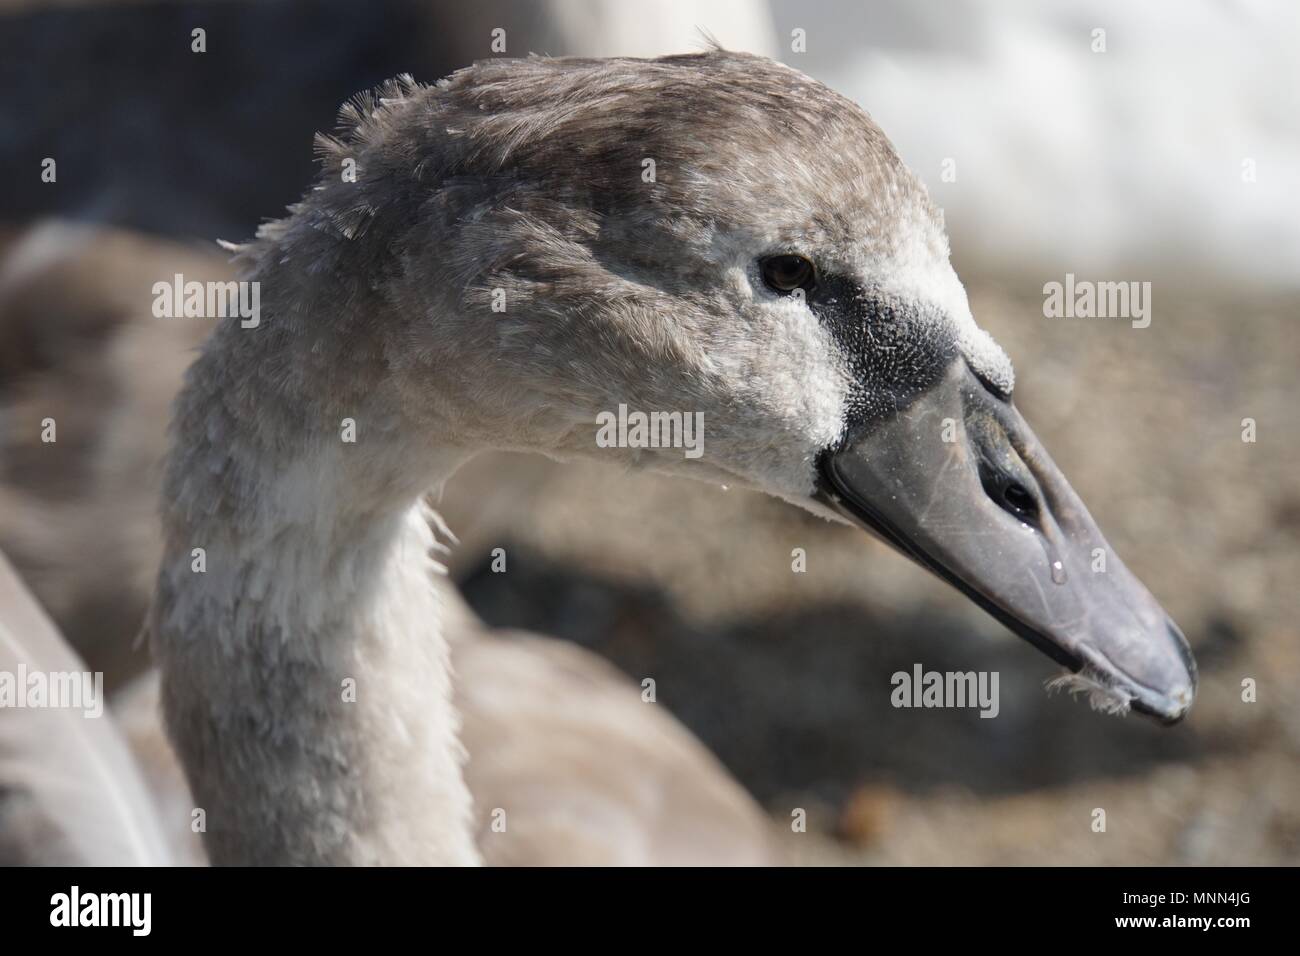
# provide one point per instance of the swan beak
(957, 481)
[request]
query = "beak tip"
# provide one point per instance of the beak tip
(1179, 701)
(1170, 708)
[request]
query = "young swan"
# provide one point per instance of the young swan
(494, 262)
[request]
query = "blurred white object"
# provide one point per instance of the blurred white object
(1120, 163)
(80, 798)
(620, 28)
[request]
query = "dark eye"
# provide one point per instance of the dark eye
(786, 273)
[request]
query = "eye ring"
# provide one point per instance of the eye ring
(786, 272)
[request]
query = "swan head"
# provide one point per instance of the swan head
(563, 244)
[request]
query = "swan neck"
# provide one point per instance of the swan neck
(306, 680)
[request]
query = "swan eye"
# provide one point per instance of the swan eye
(785, 273)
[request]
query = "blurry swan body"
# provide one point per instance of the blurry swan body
(72, 792)
(587, 772)
(566, 765)
(87, 378)
(500, 272)
(639, 790)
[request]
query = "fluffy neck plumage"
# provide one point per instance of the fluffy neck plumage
(305, 681)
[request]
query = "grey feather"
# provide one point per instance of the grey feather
(1103, 695)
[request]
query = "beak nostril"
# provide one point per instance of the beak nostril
(1011, 495)
(1019, 498)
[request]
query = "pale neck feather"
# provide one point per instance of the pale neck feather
(318, 574)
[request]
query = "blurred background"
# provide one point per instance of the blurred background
(1164, 148)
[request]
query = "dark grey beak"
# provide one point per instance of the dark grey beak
(958, 482)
